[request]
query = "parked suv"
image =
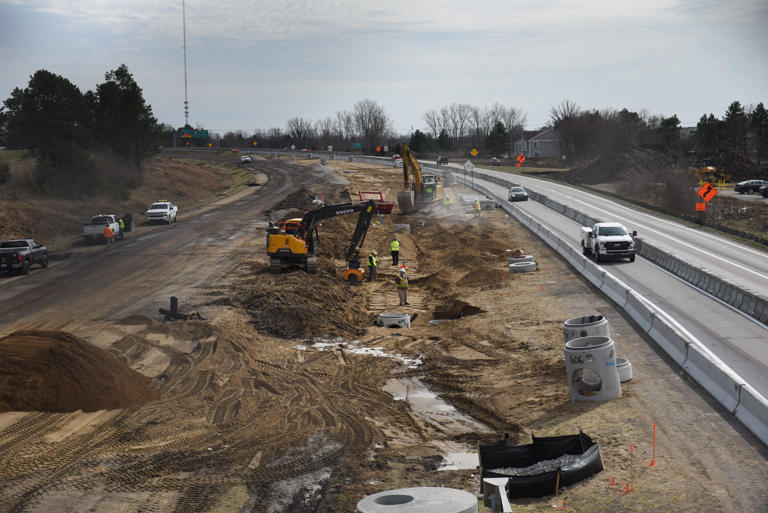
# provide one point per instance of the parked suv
(749, 186)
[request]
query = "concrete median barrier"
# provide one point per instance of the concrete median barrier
(639, 310)
(615, 289)
(722, 383)
(669, 338)
(752, 411)
(594, 274)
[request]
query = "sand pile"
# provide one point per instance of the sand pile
(55, 371)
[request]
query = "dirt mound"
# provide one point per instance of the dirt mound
(299, 199)
(483, 277)
(619, 165)
(55, 371)
(299, 305)
(455, 309)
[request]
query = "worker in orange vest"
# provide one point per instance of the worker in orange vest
(109, 235)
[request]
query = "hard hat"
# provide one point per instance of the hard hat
(402, 270)
(375, 252)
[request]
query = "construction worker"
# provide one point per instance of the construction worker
(477, 208)
(373, 265)
(395, 248)
(401, 283)
(446, 202)
(109, 234)
(122, 228)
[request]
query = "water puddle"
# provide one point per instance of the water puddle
(430, 410)
(354, 347)
(459, 461)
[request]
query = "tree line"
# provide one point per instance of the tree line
(72, 134)
(741, 134)
(457, 127)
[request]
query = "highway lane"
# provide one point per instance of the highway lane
(736, 339)
(736, 263)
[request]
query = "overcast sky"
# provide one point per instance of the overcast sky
(255, 64)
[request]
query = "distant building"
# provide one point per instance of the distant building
(542, 144)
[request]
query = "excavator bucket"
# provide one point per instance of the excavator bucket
(405, 201)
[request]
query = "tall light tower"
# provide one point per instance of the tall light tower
(184, 25)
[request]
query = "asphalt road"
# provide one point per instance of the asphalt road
(736, 263)
(735, 338)
(140, 274)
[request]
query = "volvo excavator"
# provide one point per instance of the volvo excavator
(296, 241)
(420, 190)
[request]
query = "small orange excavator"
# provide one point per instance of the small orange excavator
(296, 241)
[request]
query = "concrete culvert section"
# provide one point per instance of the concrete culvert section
(522, 267)
(456, 309)
(54, 371)
(591, 366)
(586, 326)
(419, 500)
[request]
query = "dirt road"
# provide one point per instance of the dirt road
(286, 398)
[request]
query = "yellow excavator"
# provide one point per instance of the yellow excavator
(420, 190)
(296, 241)
(704, 171)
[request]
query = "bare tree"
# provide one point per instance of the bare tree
(345, 124)
(566, 109)
(372, 123)
(299, 130)
(433, 119)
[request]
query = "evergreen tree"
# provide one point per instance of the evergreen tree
(735, 128)
(444, 141)
(496, 142)
(124, 122)
(758, 123)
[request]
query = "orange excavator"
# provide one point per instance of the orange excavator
(297, 242)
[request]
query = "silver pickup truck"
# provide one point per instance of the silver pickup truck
(608, 240)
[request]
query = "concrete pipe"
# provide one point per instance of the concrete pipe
(624, 368)
(590, 363)
(517, 260)
(522, 267)
(586, 326)
(403, 228)
(394, 320)
(419, 500)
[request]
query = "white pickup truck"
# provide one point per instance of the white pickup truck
(95, 229)
(163, 211)
(608, 239)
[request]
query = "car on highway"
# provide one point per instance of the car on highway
(20, 254)
(764, 191)
(442, 160)
(163, 211)
(493, 161)
(749, 186)
(517, 193)
(245, 158)
(608, 239)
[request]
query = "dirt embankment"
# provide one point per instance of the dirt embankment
(52, 220)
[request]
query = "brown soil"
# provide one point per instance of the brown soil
(54, 221)
(54, 371)
(251, 419)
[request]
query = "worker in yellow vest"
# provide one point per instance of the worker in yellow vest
(402, 287)
(373, 265)
(395, 248)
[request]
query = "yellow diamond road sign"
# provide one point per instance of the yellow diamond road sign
(473, 152)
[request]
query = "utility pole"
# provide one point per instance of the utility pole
(184, 25)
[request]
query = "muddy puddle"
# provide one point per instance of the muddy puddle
(430, 410)
(354, 347)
